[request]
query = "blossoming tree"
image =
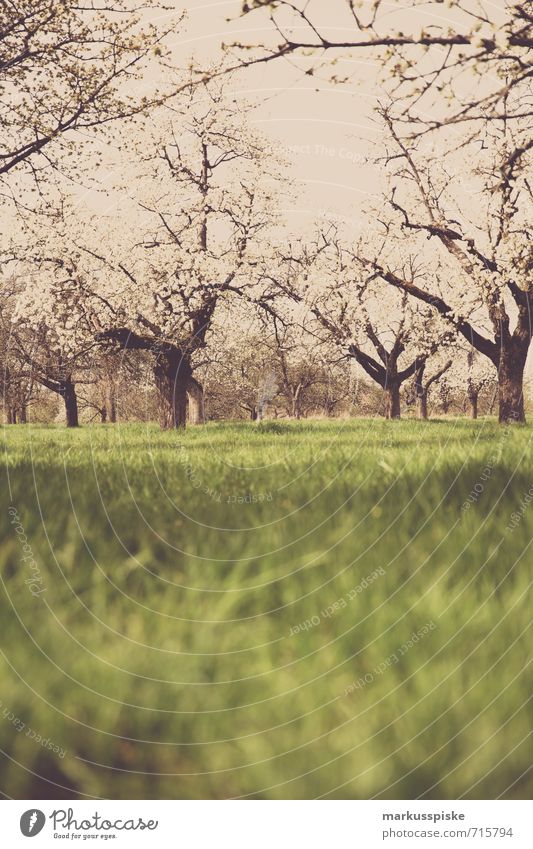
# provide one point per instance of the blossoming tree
(51, 331)
(390, 338)
(68, 68)
(189, 238)
(478, 247)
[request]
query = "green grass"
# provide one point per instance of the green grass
(160, 657)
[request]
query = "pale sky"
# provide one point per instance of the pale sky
(329, 128)
(323, 125)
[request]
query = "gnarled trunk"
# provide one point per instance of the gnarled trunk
(511, 384)
(392, 401)
(172, 372)
(68, 393)
(195, 394)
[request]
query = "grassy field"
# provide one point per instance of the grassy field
(285, 611)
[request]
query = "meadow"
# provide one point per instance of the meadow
(333, 609)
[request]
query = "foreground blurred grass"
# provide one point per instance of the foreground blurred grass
(175, 566)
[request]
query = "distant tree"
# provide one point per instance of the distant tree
(51, 334)
(16, 382)
(337, 392)
(111, 375)
(299, 364)
(470, 378)
(427, 375)
(387, 337)
(240, 373)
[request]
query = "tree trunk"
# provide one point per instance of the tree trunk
(493, 401)
(421, 393)
(296, 409)
(110, 402)
(473, 401)
(422, 405)
(392, 400)
(172, 372)
(23, 417)
(511, 385)
(103, 415)
(68, 393)
(446, 405)
(296, 394)
(195, 394)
